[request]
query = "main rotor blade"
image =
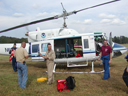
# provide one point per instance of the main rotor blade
(55, 17)
(97, 5)
(33, 22)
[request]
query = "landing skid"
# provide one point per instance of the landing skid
(74, 65)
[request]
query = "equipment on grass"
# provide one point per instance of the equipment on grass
(41, 79)
(61, 85)
(70, 82)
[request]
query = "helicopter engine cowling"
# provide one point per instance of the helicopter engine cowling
(32, 36)
(42, 35)
(64, 32)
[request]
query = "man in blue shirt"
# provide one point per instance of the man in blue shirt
(14, 65)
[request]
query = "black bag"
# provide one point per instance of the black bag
(70, 82)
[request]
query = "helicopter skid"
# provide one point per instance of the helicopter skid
(77, 72)
(76, 65)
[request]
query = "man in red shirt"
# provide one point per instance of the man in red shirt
(106, 56)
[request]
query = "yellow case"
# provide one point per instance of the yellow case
(41, 79)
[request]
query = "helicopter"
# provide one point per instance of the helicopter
(69, 46)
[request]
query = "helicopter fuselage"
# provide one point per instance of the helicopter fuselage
(68, 44)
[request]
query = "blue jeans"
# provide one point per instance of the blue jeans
(22, 75)
(14, 65)
(106, 66)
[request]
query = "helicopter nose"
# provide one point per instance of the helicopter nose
(119, 49)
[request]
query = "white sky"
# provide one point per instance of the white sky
(107, 18)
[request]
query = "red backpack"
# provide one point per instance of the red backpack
(61, 85)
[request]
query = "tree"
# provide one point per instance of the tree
(4, 39)
(121, 39)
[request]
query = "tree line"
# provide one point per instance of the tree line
(4, 39)
(120, 39)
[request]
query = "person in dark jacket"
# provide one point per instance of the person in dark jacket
(125, 74)
(14, 65)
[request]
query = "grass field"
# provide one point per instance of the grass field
(86, 84)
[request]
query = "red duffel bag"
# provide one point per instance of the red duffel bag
(61, 85)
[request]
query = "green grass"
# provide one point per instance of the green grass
(86, 84)
(126, 45)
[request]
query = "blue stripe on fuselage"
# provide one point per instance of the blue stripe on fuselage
(118, 47)
(89, 52)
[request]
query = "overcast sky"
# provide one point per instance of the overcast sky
(107, 18)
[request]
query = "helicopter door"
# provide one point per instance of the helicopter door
(88, 47)
(41, 47)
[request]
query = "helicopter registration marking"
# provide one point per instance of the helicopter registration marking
(7, 49)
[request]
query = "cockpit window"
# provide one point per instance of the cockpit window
(35, 48)
(44, 47)
(105, 37)
(99, 38)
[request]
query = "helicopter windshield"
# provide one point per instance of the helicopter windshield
(100, 37)
(105, 37)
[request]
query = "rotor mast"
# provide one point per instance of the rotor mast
(64, 16)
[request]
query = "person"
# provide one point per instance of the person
(49, 56)
(125, 74)
(21, 54)
(75, 43)
(106, 56)
(14, 64)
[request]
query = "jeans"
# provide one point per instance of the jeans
(106, 68)
(22, 75)
(14, 65)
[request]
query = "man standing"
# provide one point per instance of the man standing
(49, 56)
(106, 56)
(125, 74)
(14, 65)
(21, 54)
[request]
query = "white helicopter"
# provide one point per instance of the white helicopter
(69, 46)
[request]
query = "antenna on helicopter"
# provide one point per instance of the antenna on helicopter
(64, 16)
